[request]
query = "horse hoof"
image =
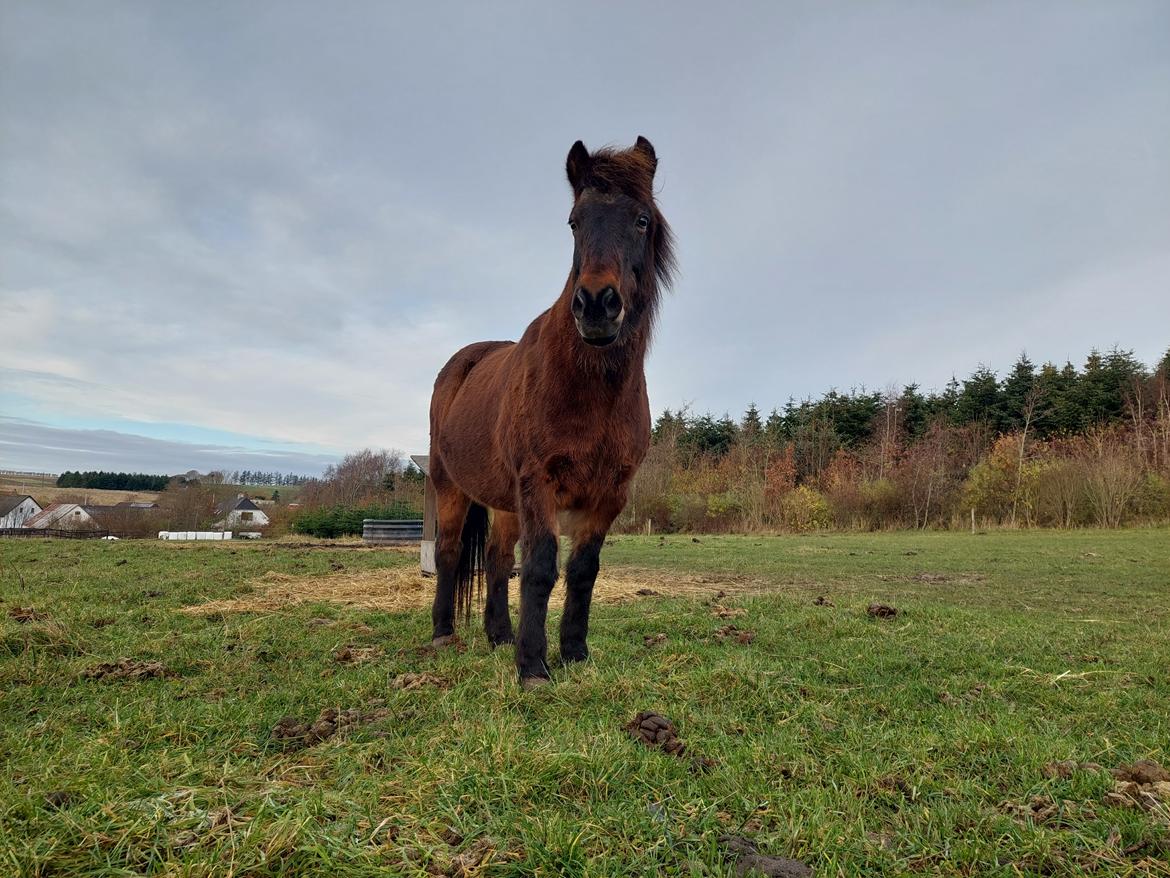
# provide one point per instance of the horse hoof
(530, 683)
(445, 640)
(501, 641)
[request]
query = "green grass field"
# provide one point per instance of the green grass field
(860, 746)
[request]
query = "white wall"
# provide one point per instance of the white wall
(235, 518)
(18, 516)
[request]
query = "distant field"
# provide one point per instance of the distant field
(25, 484)
(45, 492)
(926, 743)
(87, 496)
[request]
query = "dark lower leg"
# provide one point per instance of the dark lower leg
(498, 565)
(580, 574)
(497, 623)
(537, 577)
(443, 609)
(452, 509)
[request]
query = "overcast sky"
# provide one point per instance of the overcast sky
(234, 234)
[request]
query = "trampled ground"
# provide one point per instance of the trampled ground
(251, 735)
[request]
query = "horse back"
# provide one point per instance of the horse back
(454, 374)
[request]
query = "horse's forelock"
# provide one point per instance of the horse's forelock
(631, 172)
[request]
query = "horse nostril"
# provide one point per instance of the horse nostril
(612, 302)
(580, 302)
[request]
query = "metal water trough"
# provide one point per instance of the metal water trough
(381, 532)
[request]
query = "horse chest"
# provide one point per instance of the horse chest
(591, 466)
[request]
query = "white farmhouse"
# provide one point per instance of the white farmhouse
(16, 509)
(241, 513)
(63, 516)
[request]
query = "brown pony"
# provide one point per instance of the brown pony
(549, 430)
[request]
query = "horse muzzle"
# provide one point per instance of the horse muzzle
(598, 315)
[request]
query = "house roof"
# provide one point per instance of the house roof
(135, 504)
(42, 518)
(423, 462)
(8, 502)
(55, 512)
(233, 505)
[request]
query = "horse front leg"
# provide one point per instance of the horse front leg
(538, 574)
(580, 576)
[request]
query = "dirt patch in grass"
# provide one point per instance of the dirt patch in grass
(24, 615)
(721, 612)
(1144, 784)
(749, 861)
(356, 655)
(1038, 809)
(405, 588)
(1068, 767)
(126, 669)
(881, 611)
(739, 635)
(418, 681)
(972, 694)
(293, 734)
(55, 800)
(939, 578)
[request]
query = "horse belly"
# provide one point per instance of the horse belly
(470, 455)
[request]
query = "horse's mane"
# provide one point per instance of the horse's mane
(631, 172)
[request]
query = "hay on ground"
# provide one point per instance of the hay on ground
(399, 589)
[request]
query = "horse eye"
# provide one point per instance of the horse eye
(572, 225)
(643, 223)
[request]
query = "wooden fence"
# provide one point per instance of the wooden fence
(58, 533)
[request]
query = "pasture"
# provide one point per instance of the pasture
(46, 492)
(948, 739)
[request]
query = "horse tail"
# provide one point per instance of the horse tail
(469, 571)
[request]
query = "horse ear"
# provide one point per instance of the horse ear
(577, 166)
(645, 147)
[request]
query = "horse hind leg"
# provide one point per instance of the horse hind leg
(589, 533)
(501, 559)
(452, 505)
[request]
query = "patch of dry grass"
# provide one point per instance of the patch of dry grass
(399, 589)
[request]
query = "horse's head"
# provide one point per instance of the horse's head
(622, 248)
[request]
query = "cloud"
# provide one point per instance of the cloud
(280, 222)
(53, 449)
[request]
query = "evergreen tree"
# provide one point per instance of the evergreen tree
(979, 401)
(945, 405)
(1059, 413)
(915, 411)
(774, 429)
(752, 428)
(1163, 367)
(666, 424)
(1017, 390)
(1104, 385)
(708, 436)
